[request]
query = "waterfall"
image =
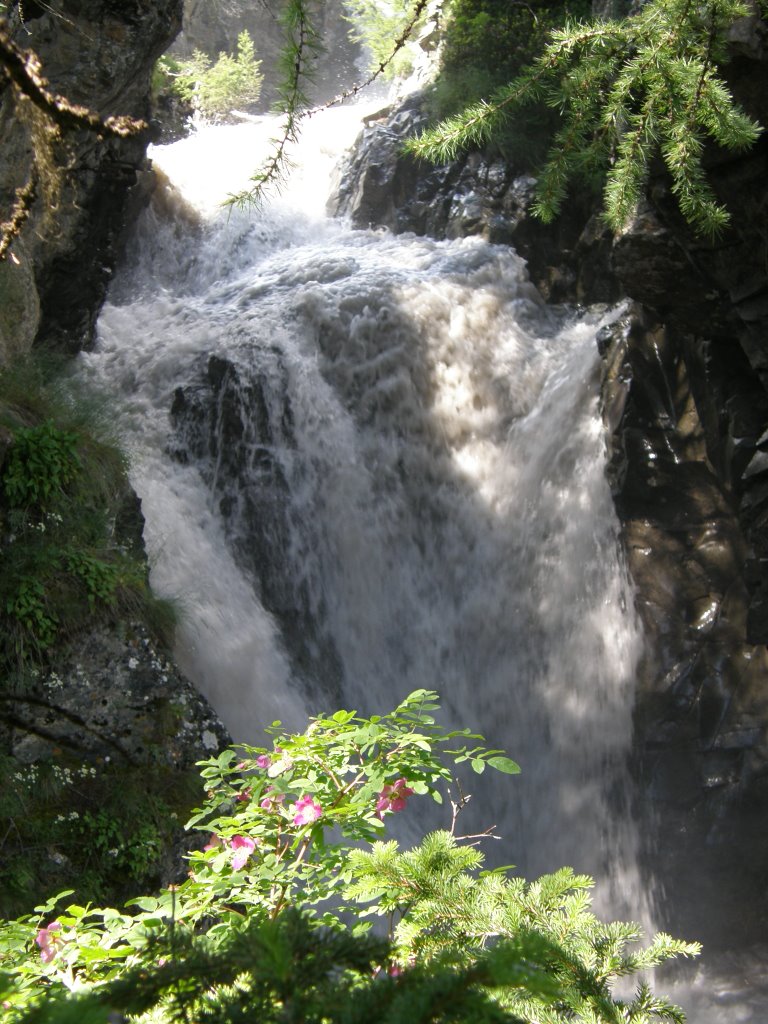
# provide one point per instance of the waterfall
(372, 463)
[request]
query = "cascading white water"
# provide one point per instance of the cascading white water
(420, 501)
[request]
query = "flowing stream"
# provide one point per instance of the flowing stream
(370, 464)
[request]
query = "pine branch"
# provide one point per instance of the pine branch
(626, 90)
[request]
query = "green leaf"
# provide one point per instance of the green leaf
(46, 908)
(147, 903)
(504, 764)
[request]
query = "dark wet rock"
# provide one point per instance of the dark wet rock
(101, 55)
(235, 423)
(701, 706)
(114, 695)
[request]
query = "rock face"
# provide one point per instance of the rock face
(232, 420)
(100, 54)
(379, 185)
(686, 412)
(115, 695)
(689, 475)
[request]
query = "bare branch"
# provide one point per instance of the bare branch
(25, 197)
(22, 67)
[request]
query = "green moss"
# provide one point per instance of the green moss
(63, 488)
(71, 559)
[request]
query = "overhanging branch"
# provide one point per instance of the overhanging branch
(22, 67)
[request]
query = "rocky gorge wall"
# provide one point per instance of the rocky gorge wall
(99, 53)
(684, 393)
(686, 414)
(110, 706)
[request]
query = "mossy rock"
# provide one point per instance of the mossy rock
(19, 308)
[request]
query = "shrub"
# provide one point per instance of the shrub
(271, 925)
(215, 89)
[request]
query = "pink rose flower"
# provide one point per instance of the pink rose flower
(264, 761)
(47, 940)
(393, 797)
(283, 764)
(270, 800)
(243, 847)
(306, 810)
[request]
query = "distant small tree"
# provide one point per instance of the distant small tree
(376, 24)
(216, 90)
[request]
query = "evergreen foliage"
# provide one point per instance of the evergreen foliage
(627, 91)
(375, 24)
(271, 923)
(485, 44)
(215, 89)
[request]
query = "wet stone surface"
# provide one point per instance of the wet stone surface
(115, 696)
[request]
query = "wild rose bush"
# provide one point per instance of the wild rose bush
(298, 826)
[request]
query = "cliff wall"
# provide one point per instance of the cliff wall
(213, 26)
(107, 709)
(99, 53)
